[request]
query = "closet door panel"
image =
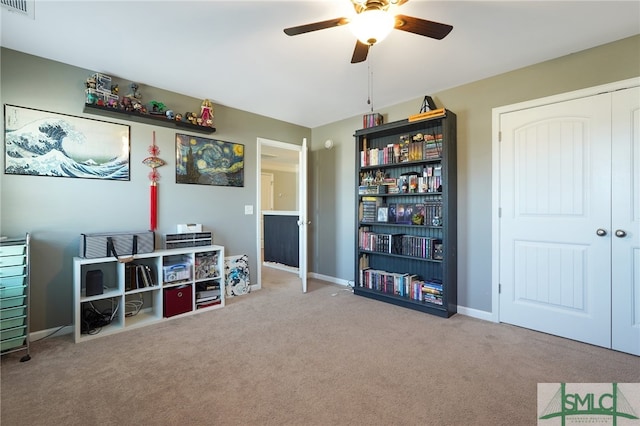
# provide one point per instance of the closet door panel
(625, 221)
(555, 183)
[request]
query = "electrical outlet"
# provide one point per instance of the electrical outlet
(248, 209)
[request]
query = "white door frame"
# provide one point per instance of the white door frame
(303, 218)
(495, 170)
(281, 145)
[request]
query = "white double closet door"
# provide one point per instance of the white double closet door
(569, 218)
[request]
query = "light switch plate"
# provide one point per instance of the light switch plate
(248, 209)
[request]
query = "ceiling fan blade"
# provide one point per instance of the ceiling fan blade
(360, 52)
(422, 27)
(301, 29)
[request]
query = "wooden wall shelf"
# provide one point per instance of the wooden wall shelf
(145, 118)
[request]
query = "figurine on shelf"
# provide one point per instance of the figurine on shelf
(157, 107)
(170, 114)
(125, 104)
(138, 107)
(91, 83)
(206, 113)
(92, 98)
(178, 117)
(134, 94)
(191, 117)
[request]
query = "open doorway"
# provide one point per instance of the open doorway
(278, 209)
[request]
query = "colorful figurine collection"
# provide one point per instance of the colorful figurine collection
(102, 92)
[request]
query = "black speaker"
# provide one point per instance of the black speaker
(94, 282)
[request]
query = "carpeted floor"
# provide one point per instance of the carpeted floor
(280, 357)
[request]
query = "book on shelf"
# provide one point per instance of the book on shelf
(398, 284)
(391, 213)
(371, 120)
(404, 213)
(383, 214)
(438, 250)
(408, 148)
(433, 213)
(404, 149)
(364, 261)
(203, 299)
(147, 275)
(432, 291)
(416, 246)
(418, 214)
(207, 294)
(369, 209)
(207, 285)
(207, 303)
(432, 147)
(138, 276)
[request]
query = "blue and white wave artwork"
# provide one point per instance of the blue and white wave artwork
(53, 147)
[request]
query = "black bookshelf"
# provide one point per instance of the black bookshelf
(412, 264)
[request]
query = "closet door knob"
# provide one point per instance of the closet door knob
(601, 232)
(620, 233)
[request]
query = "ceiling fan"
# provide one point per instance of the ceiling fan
(375, 19)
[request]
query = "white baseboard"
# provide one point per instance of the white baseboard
(281, 267)
(475, 313)
(332, 280)
(462, 310)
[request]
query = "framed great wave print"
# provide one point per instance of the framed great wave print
(209, 161)
(43, 143)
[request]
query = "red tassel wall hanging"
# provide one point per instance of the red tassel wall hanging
(154, 162)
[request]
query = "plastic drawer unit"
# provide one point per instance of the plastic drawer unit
(14, 296)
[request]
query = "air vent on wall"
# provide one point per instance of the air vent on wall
(22, 7)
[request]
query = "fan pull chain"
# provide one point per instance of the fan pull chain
(370, 83)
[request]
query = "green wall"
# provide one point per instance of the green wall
(333, 173)
(57, 210)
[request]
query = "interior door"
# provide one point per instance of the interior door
(296, 154)
(303, 220)
(625, 224)
(555, 214)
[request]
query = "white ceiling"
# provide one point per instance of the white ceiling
(236, 54)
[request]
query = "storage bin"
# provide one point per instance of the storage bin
(178, 300)
(12, 250)
(13, 281)
(12, 271)
(11, 333)
(19, 290)
(177, 272)
(11, 302)
(126, 244)
(13, 322)
(13, 312)
(11, 261)
(5, 345)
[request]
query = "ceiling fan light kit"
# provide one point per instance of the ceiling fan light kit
(372, 26)
(373, 21)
